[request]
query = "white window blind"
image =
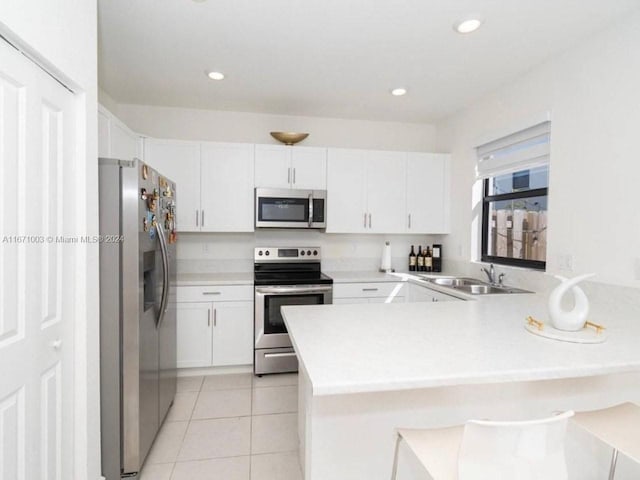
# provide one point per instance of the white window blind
(522, 150)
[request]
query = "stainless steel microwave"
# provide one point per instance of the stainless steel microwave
(290, 208)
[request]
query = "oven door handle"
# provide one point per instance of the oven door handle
(300, 290)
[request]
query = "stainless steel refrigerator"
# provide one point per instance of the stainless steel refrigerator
(137, 311)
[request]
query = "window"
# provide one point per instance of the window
(515, 170)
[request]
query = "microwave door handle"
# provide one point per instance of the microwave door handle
(310, 209)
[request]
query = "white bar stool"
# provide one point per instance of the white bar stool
(618, 426)
(486, 450)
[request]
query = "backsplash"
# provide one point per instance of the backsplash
(233, 252)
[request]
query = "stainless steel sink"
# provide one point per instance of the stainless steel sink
(455, 281)
(473, 286)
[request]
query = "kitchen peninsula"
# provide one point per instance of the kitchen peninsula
(367, 369)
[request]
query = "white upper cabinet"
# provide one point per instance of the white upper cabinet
(179, 161)
(427, 193)
(346, 191)
(115, 139)
(386, 197)
(214, 183)
(226, 186)
(387, 192)
(281, 166)
(309, 168)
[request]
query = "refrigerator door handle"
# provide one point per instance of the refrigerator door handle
(165, 275)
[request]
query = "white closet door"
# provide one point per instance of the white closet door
(38, 204)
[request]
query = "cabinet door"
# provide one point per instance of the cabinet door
(194, 325)
(418, 293)
(124, 143)
(232, 333)
(226, 187)
(386, 197)
(346, 191)
(442, 297)
(180, 162)
(273, 166)
(395, 299)
(349, 301)
(309, 168)
(103, 134)
(427, 193)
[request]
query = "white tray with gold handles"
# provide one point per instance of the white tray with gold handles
(591, 333)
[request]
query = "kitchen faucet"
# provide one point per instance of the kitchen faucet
(491, 275)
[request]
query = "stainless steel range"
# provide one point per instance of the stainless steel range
(284, 276)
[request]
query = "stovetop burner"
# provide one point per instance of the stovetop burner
(289, 266)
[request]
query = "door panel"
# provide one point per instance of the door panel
(309, 168)
(233, 333)
(426, 193)
(346, 191)
(194, 334)
(37, 218)
(227, 187)
(273, 166)
(386, 197)
(180, 162)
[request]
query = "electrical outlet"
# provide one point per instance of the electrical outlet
(565, 262)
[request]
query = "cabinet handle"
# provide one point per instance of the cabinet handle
(369, 289)
(289, 175)
(365, 220)
(215, 317)
(211, 293)
(369, 220)
(208, 317)
(294, 176)
(202, 222)
(434, 299)
(196, 218)
(409, 220)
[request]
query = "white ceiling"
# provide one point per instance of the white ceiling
(332, 58)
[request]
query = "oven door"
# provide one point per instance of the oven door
(270, 330)
(284, 208)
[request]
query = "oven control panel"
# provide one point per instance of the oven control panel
(287, 254)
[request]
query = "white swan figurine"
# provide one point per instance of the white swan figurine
(575, 319)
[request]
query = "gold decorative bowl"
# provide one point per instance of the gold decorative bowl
(289, 138)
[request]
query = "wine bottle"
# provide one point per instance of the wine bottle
(437, 258)
(428, 261)
(420, 259)
(412, 260)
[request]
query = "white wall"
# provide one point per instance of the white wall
(204, 252)
(594, 96)
(214, 125)
(63, 35)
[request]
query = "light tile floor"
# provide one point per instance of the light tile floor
(231, 427)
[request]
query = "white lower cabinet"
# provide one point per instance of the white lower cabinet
(232, 333)
(214, 333)
(418, 293)
(373, 292)
(194, 335)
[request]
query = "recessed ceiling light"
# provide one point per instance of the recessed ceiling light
(398, 92)
(467, 26)
(215, 75)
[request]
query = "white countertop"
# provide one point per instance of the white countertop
(384, 347)
(361, 277)
(194, 279)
